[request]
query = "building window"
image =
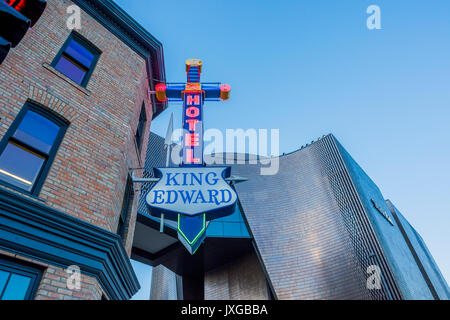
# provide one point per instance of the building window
(77, 59)
(18, 281)
(126, 207)
(141, 128)
(29, 147)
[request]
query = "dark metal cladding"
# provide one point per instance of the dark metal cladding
(298, 220)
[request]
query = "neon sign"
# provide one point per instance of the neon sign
(192, 191)
(192, 194)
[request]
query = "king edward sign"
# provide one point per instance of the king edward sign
(192, 194)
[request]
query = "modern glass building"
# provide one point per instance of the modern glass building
(318, 229)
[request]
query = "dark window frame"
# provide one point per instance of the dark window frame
(127, 203)
(49, 158)
(140, 130)
(88, 46)
(25, 269)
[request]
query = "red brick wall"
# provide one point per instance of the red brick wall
(53, 286)
(88, 176)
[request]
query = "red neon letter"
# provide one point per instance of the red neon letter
(192, 123)
(192, 112)
(193, 100)
(192, 139)
(190, 156)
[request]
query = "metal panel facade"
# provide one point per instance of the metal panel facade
(317, 225)
(435, 281)
(299, 228)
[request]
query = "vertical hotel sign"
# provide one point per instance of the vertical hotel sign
(193, 125)
(192, 194)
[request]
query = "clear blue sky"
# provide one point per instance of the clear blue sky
(144, 274)
(312, 67)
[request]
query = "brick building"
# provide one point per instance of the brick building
(75, 113)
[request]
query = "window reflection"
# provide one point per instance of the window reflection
(28, 147)
(17, 281)
(232, 226)
(37, 131)
(70, 69)
(4, 276)
(19, 166)
(77, 59)
(80, 53)
(17, 287)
